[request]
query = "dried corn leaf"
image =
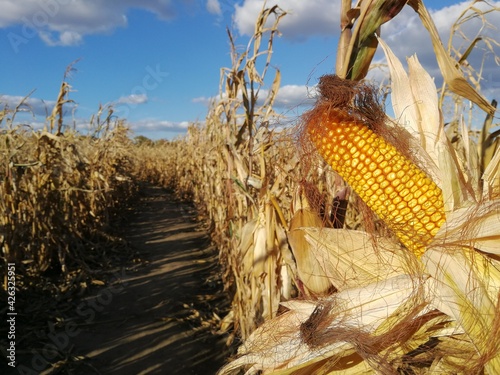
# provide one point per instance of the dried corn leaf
(469, 159)
(453, 182)
(259, 251)
(491, 176)
(363, 43)
(329, 328)
(487, 143)
(449, 68)
(353, 258)
(459, 353)
(277, 343)
(461, 288)
(424, 92)
(351, 363)
(476, 226)
(309, 269)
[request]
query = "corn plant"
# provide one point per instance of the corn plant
(422, 297)
(59, 191)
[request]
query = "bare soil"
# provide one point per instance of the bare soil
(154, 316)
(158, 320)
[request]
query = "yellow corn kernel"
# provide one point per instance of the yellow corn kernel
(412, 204)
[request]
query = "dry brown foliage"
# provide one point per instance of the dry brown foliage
(60, 194)
(259, 187)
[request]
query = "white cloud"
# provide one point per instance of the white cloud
(304, 18)
(294, 95)
(406, 36)
(203, 100)
(66, 22)
(289, 96)
(65, 38)
(36, 106)
(133, 99)
(155, 125)
(213, 7)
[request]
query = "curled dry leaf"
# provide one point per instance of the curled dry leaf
(448, 67)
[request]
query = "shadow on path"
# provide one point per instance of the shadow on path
(153, 317)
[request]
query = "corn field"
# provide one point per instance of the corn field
(321, 283)
(60, 190)
(350, 243)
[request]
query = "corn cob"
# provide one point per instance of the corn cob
(391, 185)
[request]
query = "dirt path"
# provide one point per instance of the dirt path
(152, 318)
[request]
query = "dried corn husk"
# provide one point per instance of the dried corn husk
(309, 271)
(352, 258)
(465, 285)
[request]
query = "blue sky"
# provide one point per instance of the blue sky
(159, 61)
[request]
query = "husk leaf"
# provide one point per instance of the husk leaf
(352, 258)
